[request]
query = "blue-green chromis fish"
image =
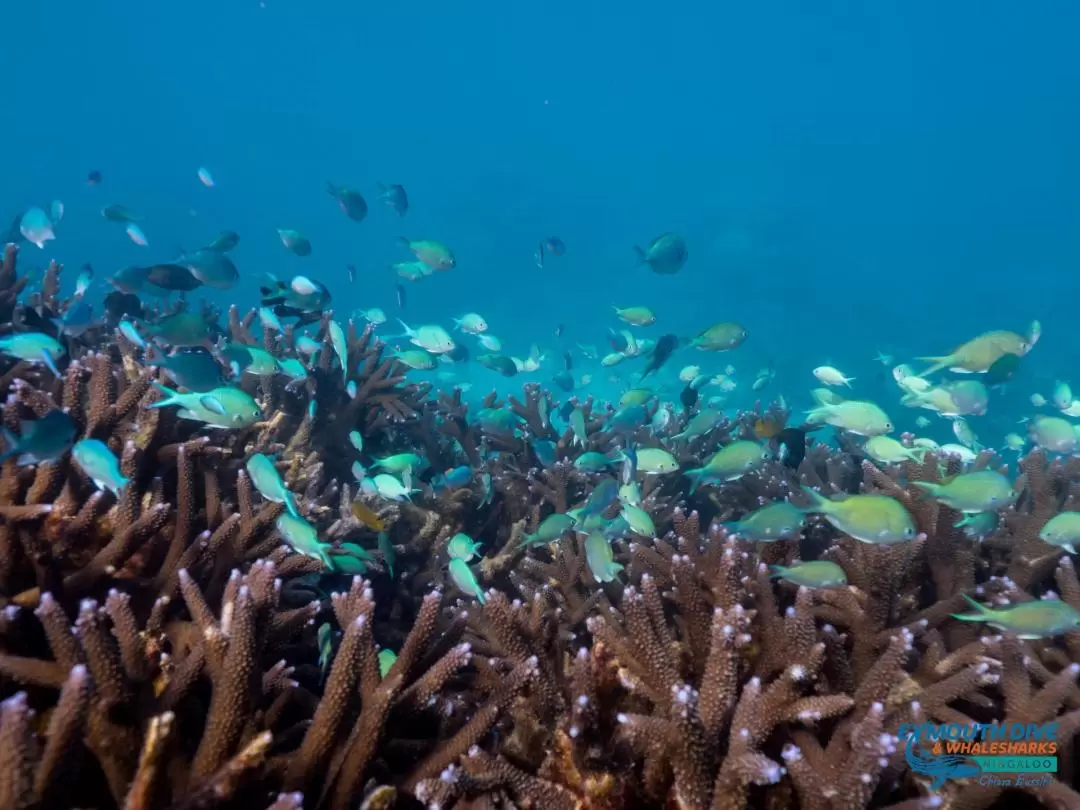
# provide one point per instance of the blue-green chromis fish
(550, 529)
(326, 647)
(981, 491)
(638, 520)
(356, 440)
(389, 553)
(130, 333)
(341, 349)
(876, 519)
(226, 407)
(34, 347)
(386, 660)
(775, 521)
(729, 463)
(465, 579)
(303, 538)
(815, 574)
(462, 547)
(1062, 530)
(577, 424)
(100, 465)
(39, 440)
(600, 558)
(1027, 620)
(267, 480)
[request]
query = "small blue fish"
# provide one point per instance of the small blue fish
(34, 347)
(83, 281)
(453, 479)
(356, 440)
(359, 471)
(350, 389)
(78, 318)
(303, 538)
(326, 647)
(465, 579)
(341, 348)
(268, 319)
(226, 407)
(267, 480)
(488, 489)
(599, 556)
(40, 440)
(605, 494)
(307, 346)
(128, 330)
(389, 553)
(544, 450)
(100, 465)
(311, 408)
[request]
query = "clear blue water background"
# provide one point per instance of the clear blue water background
(849, 176)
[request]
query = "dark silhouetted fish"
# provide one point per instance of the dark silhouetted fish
(663, 350)
(565, 380)
(1002, 370)
(224, 242)
(172, 277)
(552, 246)
(352, 202)
(395, 196)
(792, 443)
(93, 178)
(498, 362)
(120, 304)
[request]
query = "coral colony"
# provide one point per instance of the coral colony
(173, 636)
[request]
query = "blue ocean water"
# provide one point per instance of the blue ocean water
(848, 177)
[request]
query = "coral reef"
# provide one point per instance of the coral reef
(165, 647)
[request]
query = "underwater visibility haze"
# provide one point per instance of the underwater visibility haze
(599, 406)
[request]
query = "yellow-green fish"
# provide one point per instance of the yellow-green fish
(815, 574)
(978, 354)
(638, 520)
(775, 521)
(854, 416)
(636, 316)
(635, 396)
(981, 491)
(729, 463)
(303, 538)
(226, 407)
(656, 461)
(1027, 620)
(1054, 434)
(599, 556)
(876, 519)
(386, 660)
(721, 337)
(887, 450)
(434, 254)
(1062, 530)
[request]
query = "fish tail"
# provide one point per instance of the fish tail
(331, 189)
(929, 490)
(12, 442)
(818, 415)
(171, 396)
(695, 476)
(777, 571)
(981, 614)
(818, 502)
(937, 364)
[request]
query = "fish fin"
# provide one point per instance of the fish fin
(331, 189)
(1070, 548)
(818, 502)
(171, 396)
(641, 257)
(937, 364)
(12, 443)
(404, 241)
(777, 571)
(50, 363)
(212, 404)
(929, 490)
